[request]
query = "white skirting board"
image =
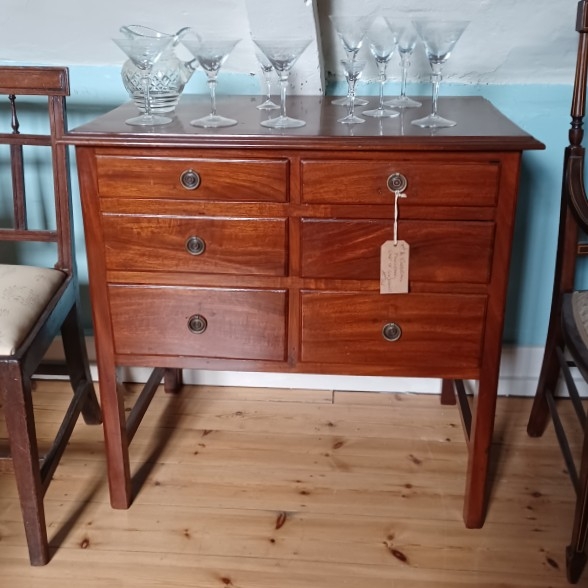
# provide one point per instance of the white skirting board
(519, 373)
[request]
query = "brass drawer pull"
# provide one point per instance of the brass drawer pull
(397, 182)
(195, 245)
(190, 179)
(197, 324)
(391, 332)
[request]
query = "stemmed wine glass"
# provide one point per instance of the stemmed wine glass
(144, 52)
(406, 38)
(382, 41)
(353, 69)
(211, 54)
(282, 54)
(351, 30)
(266, 69)
(439, 38)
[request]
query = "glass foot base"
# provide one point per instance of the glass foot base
(381, 113)
(268, 105)
(402, 102)
(282, 122)
(433, 121)
(213, 121)
(351, 119)
(148, 120)
(345, 101)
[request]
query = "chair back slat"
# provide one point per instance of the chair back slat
(34, 81)
(22, 88)
(18, 187)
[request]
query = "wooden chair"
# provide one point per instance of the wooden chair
(37, 303)
(567, 338)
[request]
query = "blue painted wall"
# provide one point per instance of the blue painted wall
(542, 110)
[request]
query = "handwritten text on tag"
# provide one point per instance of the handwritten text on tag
(394, 259)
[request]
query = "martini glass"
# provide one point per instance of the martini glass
(266, 69)
(283, 54)
(211, 54)
(144, 52)
(382, 41)
(353, 70)
(406, 38)
(439, 38)
(351, 30)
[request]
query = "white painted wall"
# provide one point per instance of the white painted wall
(508, 41)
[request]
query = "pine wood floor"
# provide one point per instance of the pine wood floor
(251, 488)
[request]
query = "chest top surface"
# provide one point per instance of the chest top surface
(480, 126)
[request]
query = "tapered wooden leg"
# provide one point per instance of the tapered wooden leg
(448, 393)
(78, 367)
(20, 425)
(115, 437)
(484, 408)
(172, 381)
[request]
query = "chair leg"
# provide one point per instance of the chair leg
(22, 437)
(548, 377)
(448, 392)
(576, 550)
(76, 357)
(172, 381)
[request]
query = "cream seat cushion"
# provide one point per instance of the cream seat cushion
(24, 293)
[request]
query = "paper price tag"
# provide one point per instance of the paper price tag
(394, 258)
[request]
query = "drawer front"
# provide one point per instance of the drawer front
(366, 182)
(204, 245)
(199, 322)
(441, 332)
(199, 179)
(440, 251)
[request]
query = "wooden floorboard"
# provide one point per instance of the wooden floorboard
(254, 488)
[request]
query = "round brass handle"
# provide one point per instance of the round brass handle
(195, 245)
(397, 182)
(391, 332)
(190, 179)
(197, 324)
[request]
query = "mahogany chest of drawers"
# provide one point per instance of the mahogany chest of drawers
(250, 249)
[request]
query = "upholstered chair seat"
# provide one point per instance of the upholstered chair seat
(25, 292)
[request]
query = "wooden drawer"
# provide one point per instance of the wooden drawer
(437, 183)
(440, 251)
(438, 332)
(219, 179)
(241, 324)
(203, 245)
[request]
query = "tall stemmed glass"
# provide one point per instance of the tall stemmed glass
(353, 69)
(351, 30)
(266, 69)
(144, 53)
(211, 54)
(382, 41)
(439, 38)
(283, 54)
(406, 38)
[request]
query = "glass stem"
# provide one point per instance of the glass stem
(382, 70)
(404, 67)
(351, 97)
(146, 84)
(283, 90)
(436, 80)
(268, 81)
(212, 87)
